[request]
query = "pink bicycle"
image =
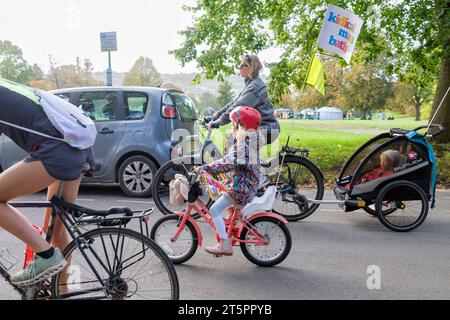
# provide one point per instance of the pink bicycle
(263, 236)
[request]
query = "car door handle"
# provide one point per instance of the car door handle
(106, 131)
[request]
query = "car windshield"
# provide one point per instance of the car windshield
(185, 106)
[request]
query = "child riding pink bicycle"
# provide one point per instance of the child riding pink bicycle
(263, 236)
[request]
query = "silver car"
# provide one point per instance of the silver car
(136, 127)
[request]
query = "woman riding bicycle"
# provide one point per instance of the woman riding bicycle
(242, 160)
(254, 95)
(50, 161)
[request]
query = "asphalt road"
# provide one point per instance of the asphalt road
(335, 255)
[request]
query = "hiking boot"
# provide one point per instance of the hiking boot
(40, 269)
(223, 248)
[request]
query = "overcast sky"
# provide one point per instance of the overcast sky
(71, 28)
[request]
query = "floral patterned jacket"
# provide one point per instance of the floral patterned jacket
(242, 161)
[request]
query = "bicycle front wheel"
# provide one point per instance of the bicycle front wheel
(119, 264)
(181, 249)
(160, 185)
(298, 177)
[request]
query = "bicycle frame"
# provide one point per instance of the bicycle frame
(72, 226)
(235, 221)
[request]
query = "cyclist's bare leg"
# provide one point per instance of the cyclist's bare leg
(22, 179)
(60, 238)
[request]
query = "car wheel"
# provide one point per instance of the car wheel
(135, 176)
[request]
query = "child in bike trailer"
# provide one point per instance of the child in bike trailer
(389, 159)
(242, 161)
(24, 121)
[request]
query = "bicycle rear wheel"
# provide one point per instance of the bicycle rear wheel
(160, 189)
(130, 265)
(278, 246)
(299, 177)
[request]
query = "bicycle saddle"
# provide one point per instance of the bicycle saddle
(262, 203)
(78, 211)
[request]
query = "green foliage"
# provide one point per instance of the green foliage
(366, 88)
(143, 73)
(443, 164)
(225, 94)
(332, 142)
(223, 30)
(13, 66)
(207, 100)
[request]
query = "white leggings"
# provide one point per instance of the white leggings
(216, 211)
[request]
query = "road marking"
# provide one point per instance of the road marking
(86, 200)
(131, 201)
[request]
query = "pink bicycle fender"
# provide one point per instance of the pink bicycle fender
(196, 227)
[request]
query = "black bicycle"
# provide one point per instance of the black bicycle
(106, 259)
(290, 171)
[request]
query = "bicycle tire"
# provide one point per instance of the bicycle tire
(278, 259)
(159, 179)
(316, 194)
(193, 247)
(385, 219)
(151, 248)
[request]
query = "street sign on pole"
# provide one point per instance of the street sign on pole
(108, 42)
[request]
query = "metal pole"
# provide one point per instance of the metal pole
(109, 71)
(437, 110)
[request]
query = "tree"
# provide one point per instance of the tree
(12, 64)
(418, 81)
(225, 94)
(143, 73)
(311, 99)
(207, 100)
(54, 74)
(409, 99)
(72, 75)
(37, 73)
(366, 88)
(289, 101)
(409, 30)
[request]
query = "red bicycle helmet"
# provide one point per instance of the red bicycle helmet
(248, 117)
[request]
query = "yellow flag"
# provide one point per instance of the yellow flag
(315, 76)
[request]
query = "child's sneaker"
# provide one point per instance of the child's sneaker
(40, 269)
(222, 248)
